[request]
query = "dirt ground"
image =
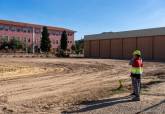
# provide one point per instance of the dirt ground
(87, 86)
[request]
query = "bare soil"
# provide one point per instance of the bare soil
(89, 86)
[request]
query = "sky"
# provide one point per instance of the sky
(87, 16)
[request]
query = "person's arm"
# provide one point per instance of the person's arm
(142, 63)
(131, 61)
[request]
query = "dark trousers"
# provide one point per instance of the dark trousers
(136, 84)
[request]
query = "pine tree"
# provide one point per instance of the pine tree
(45, 41)
(64, 39)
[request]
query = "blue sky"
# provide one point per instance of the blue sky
(87, 16)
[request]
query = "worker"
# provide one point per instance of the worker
(136, 72)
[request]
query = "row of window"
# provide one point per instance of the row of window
(58, 33)
(29, 30)
(7, 38)
(56, 42)
(25, 39)
(16, 29)
(69, 42)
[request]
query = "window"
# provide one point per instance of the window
(48, 32)
(18, 30)
(0, 39)
(18, 38)
(1, 27)
(60, 33)
(57, 33)
(24, 30)
(6, 28)
(25, 39)
(12, 37)
(21, 29)
(5, 38)
(53, 42)
(56, 41)
(21, 39)
(12, 28)
(37, 31)
(70, 41)
(29, 30)
(29, 40)
(35, 41)
(53, 33)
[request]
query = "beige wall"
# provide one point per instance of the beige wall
(94, 48)
(159, 47)
(105, 48)
(144, 44)
(87, 48)
(152, 48)
(116, 48)
(129, 45)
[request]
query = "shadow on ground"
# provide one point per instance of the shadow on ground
(93, 105)
(153, 106)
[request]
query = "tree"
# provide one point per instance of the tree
(45, 41)
(15, 44)
(79, 46)
(73, 48)
(64, 39)
(4, 45)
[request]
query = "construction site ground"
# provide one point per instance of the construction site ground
(85, 86)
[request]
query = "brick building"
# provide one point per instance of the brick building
(30, 34)
(120, 45)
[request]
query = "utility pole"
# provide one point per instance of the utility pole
(33, 38)
(40, 39)
(26, 44)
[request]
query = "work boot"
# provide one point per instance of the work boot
(136, 98)
(132, 94)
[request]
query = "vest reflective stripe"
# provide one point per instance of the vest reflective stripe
(136, 70)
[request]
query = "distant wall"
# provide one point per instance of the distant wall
(94, 48)
(116, 48)
(159, 47)
(105, 48)
(152, 47)
(129, 45)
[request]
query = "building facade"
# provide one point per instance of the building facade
(120, 45)
(30, 34)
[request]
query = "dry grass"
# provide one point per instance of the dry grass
(16, 70)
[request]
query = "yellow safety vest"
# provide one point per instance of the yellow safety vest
(136, 70)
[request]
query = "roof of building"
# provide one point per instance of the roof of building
(127, 34)
(33, 25)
